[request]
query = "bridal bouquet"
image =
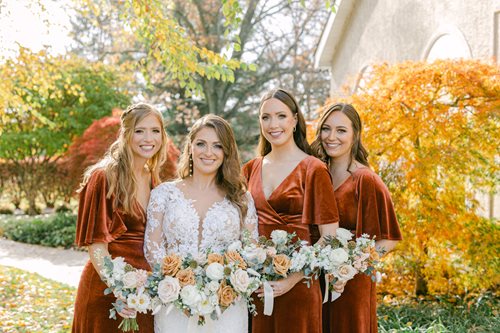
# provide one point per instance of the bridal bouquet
(129, 286)
(204, 286)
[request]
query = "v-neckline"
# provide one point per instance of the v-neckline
(282, 182)
(191, 205)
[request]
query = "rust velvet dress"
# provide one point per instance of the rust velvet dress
(305, 197)
(365, 206)
(99, 222)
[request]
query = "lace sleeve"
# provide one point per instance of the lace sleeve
(154, 238)
(251, 219)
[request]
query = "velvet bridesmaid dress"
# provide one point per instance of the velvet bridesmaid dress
(305, 198)
(99, 222)
(365, 207)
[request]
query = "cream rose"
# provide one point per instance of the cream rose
(343, 235)
(346, 272)
(130, 280)
(169, 289)
(240, 280)
(279, 237)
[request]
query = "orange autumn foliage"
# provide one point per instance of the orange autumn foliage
(432, 133)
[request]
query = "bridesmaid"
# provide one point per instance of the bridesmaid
(365, 207)
(111, 215)
(292, 191)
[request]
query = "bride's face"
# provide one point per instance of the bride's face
(207, 152)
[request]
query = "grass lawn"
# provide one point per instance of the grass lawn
(31, 303)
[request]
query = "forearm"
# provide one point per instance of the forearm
(97, 252)
(327, 230)
(385, 245)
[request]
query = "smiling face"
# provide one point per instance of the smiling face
(337, 135)
(277, 122)
(146, 139)
(207, 152)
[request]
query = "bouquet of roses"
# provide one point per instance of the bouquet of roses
(342, 258)
(272, 259)
(129, 286)
(204, 286)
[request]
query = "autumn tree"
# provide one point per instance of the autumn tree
(276, 38)
(46, 102)
(432, 133)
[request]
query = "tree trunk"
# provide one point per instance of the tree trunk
(421, 288)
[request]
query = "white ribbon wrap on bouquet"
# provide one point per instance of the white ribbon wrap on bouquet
(334, 295)
(268, 299)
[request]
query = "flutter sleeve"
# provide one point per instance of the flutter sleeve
(320, 206)
(97, 222)
(155, 245)
(376, 215)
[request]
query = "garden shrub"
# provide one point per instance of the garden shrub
(56, 231)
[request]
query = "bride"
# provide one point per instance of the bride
(205, 209)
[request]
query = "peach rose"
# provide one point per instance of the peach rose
(233, 256)
(281, 264)
(226, 295)
(171, 265)
(186, 277)
(214, 257)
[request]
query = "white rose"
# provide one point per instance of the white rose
(345, 272)
(190, 296)
(235, 246)
(240, 280)
(279, 237)
(338, 256)
(215, 271)
(343, 235)
(130, 280)
(254, 254)
(212, 286)
(169, 289)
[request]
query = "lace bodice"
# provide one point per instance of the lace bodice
(173, 224)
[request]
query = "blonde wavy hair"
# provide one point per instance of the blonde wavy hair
(118, 162)
(229, 177)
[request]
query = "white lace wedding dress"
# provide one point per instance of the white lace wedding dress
(173, 226)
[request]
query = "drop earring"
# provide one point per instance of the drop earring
(190, 165)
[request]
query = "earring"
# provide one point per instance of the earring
(294, 128)
(190, 165)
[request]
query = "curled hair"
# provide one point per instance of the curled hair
(299, 135)
(118, 162)
(229, 177)
(358, 151)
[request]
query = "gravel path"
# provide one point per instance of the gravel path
(57, 264)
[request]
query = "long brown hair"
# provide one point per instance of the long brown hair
(118, 161)
(299, 135)
(228, 177)
(358, 151)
